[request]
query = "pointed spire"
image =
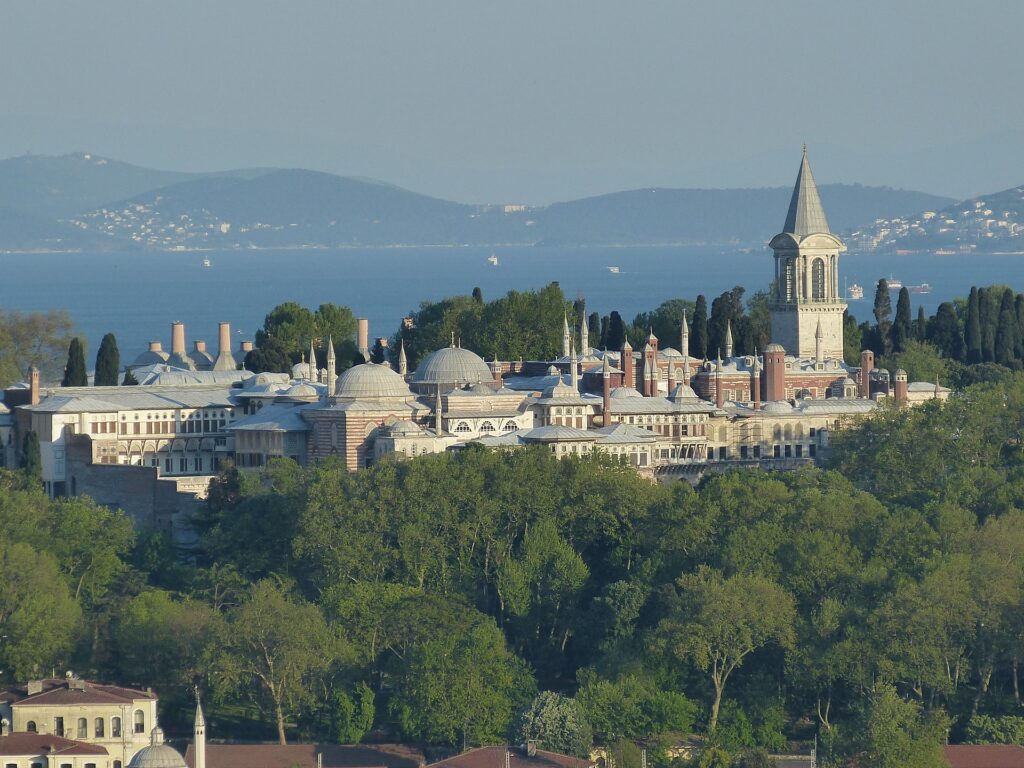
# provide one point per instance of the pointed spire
(728, 338)
(606, 368)
(818, 333)
(403, 361)
(566, 338)
(684, 347)
(574, 371)
(200, 720)
(584, 334)
(453, 340)
(312, 361)
(805, 216)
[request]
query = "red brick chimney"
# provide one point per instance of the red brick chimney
(178, 339)
(867, 364)
(901, 386)
(33, 385)
(627, 364)
(775, 372)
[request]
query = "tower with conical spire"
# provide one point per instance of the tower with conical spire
(566, 338)
(807, 276)
(312, 362)
(199, 735)
(332, 366)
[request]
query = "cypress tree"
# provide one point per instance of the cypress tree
(604, 331)
(616, 331)
(74, 372)
(1019, 309)
(31, 458)
(883, 319)
(901, 328)
(988, 317)
(1006, 327)
(699, 329)
(129, 379)
(972, 329)
(594, 328)
(478, 295)
(944, 332)
(922, 324)
(108, 363)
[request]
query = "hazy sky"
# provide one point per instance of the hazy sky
(528, 101)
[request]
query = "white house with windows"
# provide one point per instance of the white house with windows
(118, 720)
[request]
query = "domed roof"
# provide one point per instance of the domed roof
(560, 389)
(778, 407)
(151, 357)
(157, 755)
(620, 392)
(683, 392)
(370, 380)
(774, 348)
(405, 427)
(452, 365)
(302, 391)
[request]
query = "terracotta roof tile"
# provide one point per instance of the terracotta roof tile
(20, 743)
(984, 755)
(305, 756)
(495, 757)
(61, 692)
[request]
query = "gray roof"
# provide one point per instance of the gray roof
(111, 399)
(452, 365)
(555, 432)
(625, 433)
(273, 418)
(805, 216)
(370, 381)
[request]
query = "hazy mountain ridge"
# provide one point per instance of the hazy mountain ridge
(294, 208)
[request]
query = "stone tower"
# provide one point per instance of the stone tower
(807, 292)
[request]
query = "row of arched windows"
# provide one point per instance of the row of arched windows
(98, 727)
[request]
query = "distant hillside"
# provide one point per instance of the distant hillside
(104, 203)
(716, 215)
(987, 223)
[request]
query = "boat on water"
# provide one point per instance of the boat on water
(207, 262)
(613, 270)
(855, 292)
(492, 260)
(922, 288)
(894, 283)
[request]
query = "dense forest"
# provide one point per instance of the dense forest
(473, 597)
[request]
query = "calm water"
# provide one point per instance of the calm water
(137, 296)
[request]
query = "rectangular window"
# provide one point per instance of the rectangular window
(811, 450)
(789, 451)
(777, 451)
(58, 726)
(723, 452)
(743, 451)
(757, 451)
(167, 465)
(799, 451)
(182, 466)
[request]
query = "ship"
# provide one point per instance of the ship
(922, 288)
(613, 270)
(855, 292)
(894, 283)
(492, 260)
(207, 262)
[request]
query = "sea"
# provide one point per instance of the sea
(137, 296)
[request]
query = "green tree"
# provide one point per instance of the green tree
(74, 372)
(920, 360)
(699, 329)
(108, 363)
(31, 458)
(459, 685)
(33, 338)
(272, 651)
(902, 328)
(921, 324)
(945, 333)
(616, 333)
(718, 622)
(852, 339)
(478, 295)
(632, 708)
(38, 616)
(555, 723)
(892, 733)
(1006, 331)
(352, 714)
(883, 319)
(972, 329)
(90, 542)
(272, 355)
(988, 317)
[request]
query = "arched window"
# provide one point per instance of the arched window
(818, 279)
(462, 426)
(97, 728)
(140, 721)
(487, 427)
(30, 726)
(510, 426)
(115, 727)
(789, 280)
(83, 728)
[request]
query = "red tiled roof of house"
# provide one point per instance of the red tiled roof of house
(31, 744)
(984, 755)
(63, 691)
(495, 757)
(305, 756)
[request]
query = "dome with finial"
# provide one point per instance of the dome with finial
(452, 367)
(157, 754)
(369, 381)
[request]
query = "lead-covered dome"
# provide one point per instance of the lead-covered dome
(452, 367)
(157, 754)
(370, 380)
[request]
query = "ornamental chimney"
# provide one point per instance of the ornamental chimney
(901, 387)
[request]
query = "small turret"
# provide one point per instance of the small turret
(403, 361)
(566, 338)
(199, 736)
(684, 347)
(728, 339)
(312, 361)
(332, 369)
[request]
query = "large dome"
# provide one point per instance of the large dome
(371, 380)
(453, 366)
(157, 754)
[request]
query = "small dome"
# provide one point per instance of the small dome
(683, 392)
(300, 371)
(774, 348)
(620, 392)
(778, 407)
(405, 427)
(453, 366)
(370, 380)
(553, 370)
(157, 754)
(302, 392)
(848, 382)
(560, 389)
(481, 389)
(901, 372)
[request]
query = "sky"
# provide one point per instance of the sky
(529, 101)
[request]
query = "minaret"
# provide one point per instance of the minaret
(312, 361)
(728, 339)
(819, 352)
(584, 334)
(199, 745)
(807, 275)
(403, 361)
(566, 339)
(755, 387)
(626, 363)
(332, 364)
(684, 347)
(574, 373)
(606, 393)
(719, 394)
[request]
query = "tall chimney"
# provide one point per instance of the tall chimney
(867, 364)
(901, 387)
(626, 363)
(775, 372)
(606, 392)
(363, 337)
(755, 387)
(178, 338)
(225, 360)
(246, 347)
(33, 385)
